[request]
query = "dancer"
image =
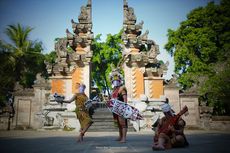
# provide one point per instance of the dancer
(120, 93)
(171, 136)
(81, 112)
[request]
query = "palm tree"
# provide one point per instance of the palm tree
(19, 46)
(25, 54)
(19, 37)
(20, 60)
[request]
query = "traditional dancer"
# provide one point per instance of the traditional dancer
(81, 111)
(167, 137)
(120, 93)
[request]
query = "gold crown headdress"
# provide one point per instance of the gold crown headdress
(115, 75)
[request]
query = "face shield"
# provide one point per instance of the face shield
(82, 88)
(116, 83)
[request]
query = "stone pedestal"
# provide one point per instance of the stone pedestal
(172, 93)
(191, 101)
(205, 117)
(24, 110)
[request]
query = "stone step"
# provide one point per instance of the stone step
(100, 123)
(107, 129)
(51, 128)
(103, 116)
(103, 121)
(93, 129)
(111, 125)
(106, 126)
(102, 110)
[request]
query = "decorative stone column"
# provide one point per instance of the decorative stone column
(23, 104)
(171, 91)
(190, 99)
(143, 72)
(72, 67)
(41, 97)
(28, 104)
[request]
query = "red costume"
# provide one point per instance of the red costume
(120, 93)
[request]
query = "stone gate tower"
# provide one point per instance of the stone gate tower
(143, 72)
(73, 66)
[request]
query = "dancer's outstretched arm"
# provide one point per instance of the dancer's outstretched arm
(70, 100)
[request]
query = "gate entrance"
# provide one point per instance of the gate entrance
(143, 72)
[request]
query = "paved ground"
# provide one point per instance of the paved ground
(103, 142)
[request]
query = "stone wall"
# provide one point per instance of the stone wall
(24, 111)
(191, 101)
(220, 123)
(4, 121)
(172, 93)
(28, 104)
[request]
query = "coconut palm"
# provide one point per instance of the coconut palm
(21, 59)
(25, 54)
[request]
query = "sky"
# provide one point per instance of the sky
(50, 18)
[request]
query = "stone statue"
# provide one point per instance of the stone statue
(69, 35)
(173, 81)
(89, 2)
(49, 67)
(74, 25)
(129, 16)
(39, 80)
(61, 48)
(18, 87)
(125, 3)
(84, 14)
(144, 37)
(163, 68)
(139, 26)
(153, 52)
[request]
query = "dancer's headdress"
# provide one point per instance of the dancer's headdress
(116, 75)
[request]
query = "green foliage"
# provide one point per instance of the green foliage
(6, 70)
(106, 55)
(51, 57)
(201, 49)
(22, 59)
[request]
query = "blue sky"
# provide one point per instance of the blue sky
(50, 18)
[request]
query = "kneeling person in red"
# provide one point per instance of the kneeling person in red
(170, 130)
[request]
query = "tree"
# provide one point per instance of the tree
(106, 56)
(22, 58)
(201, 49)
(51, 57)
(6, 70)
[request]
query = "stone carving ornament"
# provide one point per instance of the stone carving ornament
(84, 16)
(61, 48)
(153, 52)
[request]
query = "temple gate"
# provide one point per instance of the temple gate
(143, 72)
(144, 77)
(71, 67)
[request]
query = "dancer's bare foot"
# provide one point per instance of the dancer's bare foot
(118, 139)
(122, 141)
(158, 147)
(80, 137)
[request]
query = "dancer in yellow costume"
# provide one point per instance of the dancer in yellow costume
(81, 111)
